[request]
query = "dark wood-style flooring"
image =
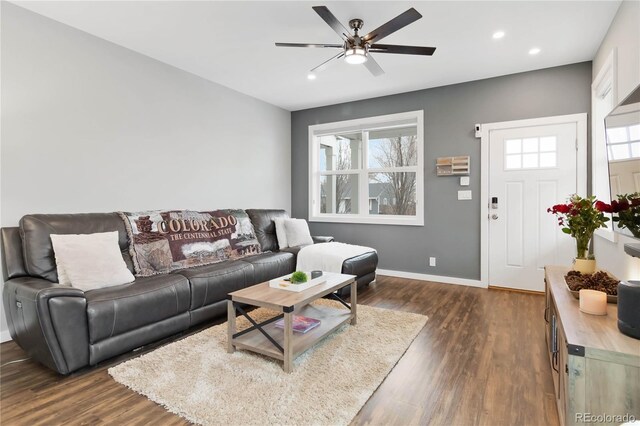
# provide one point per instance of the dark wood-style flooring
(480, 360)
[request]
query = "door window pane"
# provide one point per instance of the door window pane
(513, 146)
(514, 162)
(395, 193)
(548, 144)
(529, 161)
(394, 147)
(530, 153)
(339, 194)
(530, 145)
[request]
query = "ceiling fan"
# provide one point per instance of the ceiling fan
(357, 49)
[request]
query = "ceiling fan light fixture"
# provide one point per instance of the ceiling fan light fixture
(355, 55)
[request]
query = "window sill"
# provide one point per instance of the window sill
(368, 220)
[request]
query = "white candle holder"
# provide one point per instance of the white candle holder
(593, 302)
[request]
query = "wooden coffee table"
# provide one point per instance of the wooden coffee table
(284, 344)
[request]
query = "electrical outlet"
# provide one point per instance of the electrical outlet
(432, 261)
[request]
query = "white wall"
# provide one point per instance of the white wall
(89, 126)
(623, 37)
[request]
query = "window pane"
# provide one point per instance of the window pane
(514, 162)
(339, 194)
(635, 149)
(340, 152)
(530, 145)
(393, 147)
(620, 152)
(392, 193)
(513, 146)
(617, 134)
(529, 161)
(548, 144)
(548, 159)
(634, 132)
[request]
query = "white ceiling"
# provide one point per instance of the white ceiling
(232, 43)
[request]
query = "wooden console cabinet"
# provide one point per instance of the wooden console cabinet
(596, 369)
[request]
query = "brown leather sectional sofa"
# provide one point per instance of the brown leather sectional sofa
(67, 329)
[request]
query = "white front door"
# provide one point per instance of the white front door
(530, 169)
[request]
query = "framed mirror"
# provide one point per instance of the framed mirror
(622, 128)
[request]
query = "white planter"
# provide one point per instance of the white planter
(585, 266)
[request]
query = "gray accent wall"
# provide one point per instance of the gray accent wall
(452, 228)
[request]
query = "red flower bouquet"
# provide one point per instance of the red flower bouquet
(626, 210)
(580, 218)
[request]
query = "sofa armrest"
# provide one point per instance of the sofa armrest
(318, 239)
(48, 321)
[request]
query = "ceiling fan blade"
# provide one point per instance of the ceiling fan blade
(324, 65)
(404, 50)
(393, 25)
(333, 22)
(340, 46)
(373, 67)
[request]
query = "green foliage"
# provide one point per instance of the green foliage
(299, 277)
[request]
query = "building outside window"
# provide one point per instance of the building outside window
(368, 170)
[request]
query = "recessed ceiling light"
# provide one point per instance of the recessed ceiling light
(498, 34)
(311, 76)
(534, 51)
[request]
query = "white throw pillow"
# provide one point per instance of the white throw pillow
(281, 233)
(297, 232)
(90, 261)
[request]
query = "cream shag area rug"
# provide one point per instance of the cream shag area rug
(197, 379)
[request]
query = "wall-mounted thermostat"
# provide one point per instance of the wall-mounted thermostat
(448, 166)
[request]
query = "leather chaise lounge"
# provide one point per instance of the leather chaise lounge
(67, 329)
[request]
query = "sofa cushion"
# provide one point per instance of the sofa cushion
(298, 233)
(115, 310)
(35, 230)
(90, 261)
(267, 266)
(212, 283)
(264, 226)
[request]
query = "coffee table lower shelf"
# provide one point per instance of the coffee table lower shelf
(330, 318)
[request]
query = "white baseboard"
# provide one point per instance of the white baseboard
(5, 336)
(432, 278)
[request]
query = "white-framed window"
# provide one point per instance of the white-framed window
(623, 143)
(368, 170)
